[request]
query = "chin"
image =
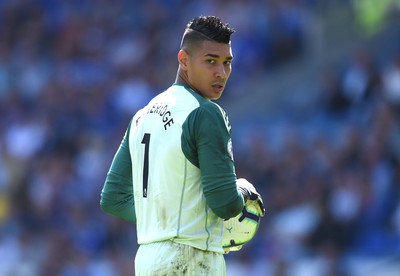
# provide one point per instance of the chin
(216, 97)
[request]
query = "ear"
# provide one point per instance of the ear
(183, 58)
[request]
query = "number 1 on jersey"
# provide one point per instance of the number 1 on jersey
(146, 142)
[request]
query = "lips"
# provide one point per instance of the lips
(218, 86)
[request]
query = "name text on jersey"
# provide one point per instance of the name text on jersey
(162, 110)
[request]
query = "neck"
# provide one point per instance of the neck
(181, 77)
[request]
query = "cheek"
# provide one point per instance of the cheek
(199, 74)
(228, 71)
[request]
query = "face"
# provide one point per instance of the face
(208, 68)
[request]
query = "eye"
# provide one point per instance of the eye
(211, 61)
(228, 62)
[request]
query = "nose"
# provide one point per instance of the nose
(221, 72)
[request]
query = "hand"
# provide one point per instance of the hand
(249, 193)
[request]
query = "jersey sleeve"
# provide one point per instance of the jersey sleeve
(117, 197)
(206, 142)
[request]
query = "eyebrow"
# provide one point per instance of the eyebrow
(217, 56)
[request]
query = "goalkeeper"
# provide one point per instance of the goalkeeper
(173, 174)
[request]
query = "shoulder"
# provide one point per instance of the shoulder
(204, 111)
(216, 109)
(210, 117)
(215, 113)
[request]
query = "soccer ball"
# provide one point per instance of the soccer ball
(242, 228)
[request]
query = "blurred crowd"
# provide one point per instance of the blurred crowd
(330, 174)
(73, 72)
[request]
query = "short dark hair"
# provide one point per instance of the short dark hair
(206, 28)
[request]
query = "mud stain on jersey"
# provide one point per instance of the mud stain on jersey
(205, 268)
(179, 267)
(162, 218)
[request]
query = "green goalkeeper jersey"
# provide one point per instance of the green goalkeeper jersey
(174, 172)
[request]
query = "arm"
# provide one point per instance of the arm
(209, 139)
(117, 194)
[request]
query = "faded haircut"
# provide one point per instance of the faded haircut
(203, 28)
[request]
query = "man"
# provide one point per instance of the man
(174, 174)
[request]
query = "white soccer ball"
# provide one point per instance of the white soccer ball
(242, 228)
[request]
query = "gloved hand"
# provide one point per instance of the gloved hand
(249, 193)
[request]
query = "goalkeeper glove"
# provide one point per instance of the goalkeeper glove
(229, 249)
(249, 193)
